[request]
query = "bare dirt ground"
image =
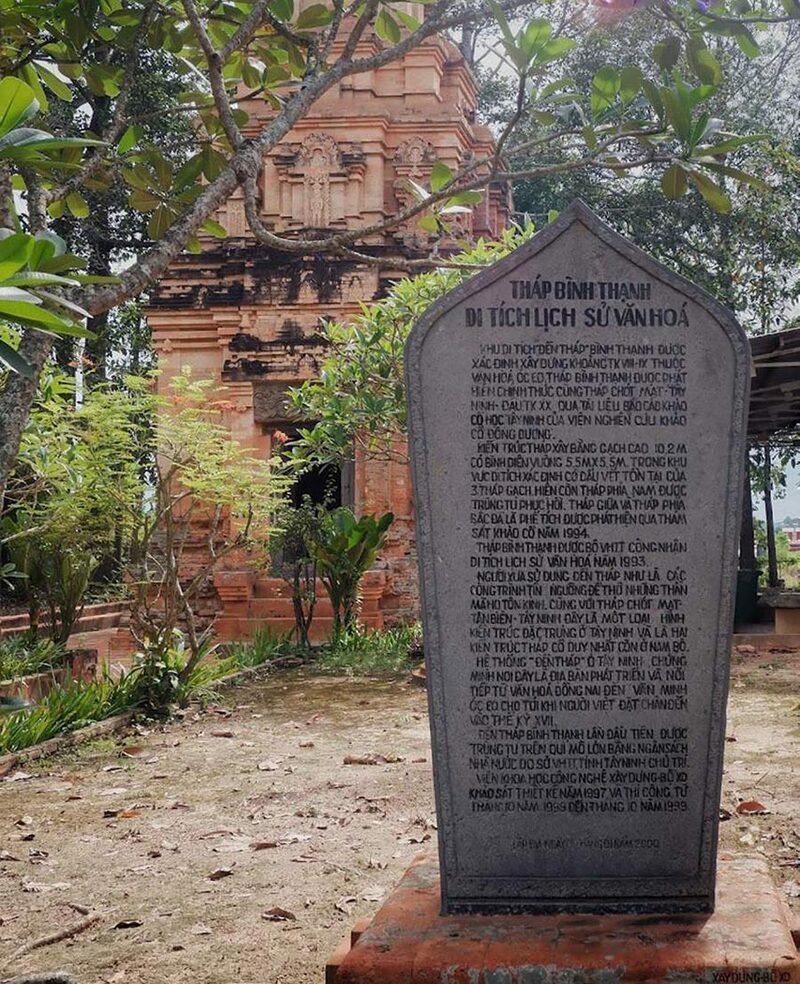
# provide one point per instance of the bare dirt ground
(187, 846)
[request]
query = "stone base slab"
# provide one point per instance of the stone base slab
(747, 940)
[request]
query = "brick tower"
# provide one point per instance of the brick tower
(249, 317)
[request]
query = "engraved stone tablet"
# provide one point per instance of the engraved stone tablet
(577, 421)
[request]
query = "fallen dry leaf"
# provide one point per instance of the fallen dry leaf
(121, 814)
(315, 718)
(306, 744)
(751, 808)
(5, 856)
(235, 845)
(128, 924)
(259, 845)
(276, 914)
(200, 930)
(371, 759)
(373, 894)
(222, 734)
(132, 751)
(218, 873)
(19, 776)
(268, 766)
(724, 814)
(345, 904)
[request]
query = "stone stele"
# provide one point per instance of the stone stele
(577, 422)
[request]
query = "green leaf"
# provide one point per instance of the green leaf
(17, 103)
(727, 146)
(103, 80)
(509, 40)
(552, 215)
(78, 205)
(387, 28)
(15, 251)
(465, 198)
(56, 85)
(605, 86)
(554, 49)
(704, 64)
(667, 52)
(738, 175)
(747, 42)
(677, 112)
(710, 191)
(160, 221)
(282, 9)
(143, 201)
(653, 97)
(28, 73)
(25, 313)
(534, 35)
(11, 358)
(408, 22)
(317, 15)
(440, 176)
(429, 223)
(673, 181)
(129, 139)
(630, 83)
(214, 229)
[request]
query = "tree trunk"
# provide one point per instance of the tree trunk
(772, 556)
(16, 400)
(747, 546)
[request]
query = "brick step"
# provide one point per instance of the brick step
(231, 629)
(94, 618)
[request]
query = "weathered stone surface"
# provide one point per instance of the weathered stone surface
(577, 424)
(747, 939)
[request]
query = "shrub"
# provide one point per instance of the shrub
(23, 655)
(344, 552)
(265, 646)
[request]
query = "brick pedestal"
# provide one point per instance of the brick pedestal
(746, 941)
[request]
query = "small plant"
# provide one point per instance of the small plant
(66, 709)
(9, 575)
(23, 655)
(162, 677)
(344, 552)
(359, 652)
(292, 560)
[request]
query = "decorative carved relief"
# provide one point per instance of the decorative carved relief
(270, 402)
(414, 158)
(314, 178)
(413, 161)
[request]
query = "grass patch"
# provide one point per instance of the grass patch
(360, 652)
(265, 646)
(66, 709)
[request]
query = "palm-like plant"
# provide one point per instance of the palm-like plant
(344, 552)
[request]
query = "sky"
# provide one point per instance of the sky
(789, 505)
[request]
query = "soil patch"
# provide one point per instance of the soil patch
(236, 846)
